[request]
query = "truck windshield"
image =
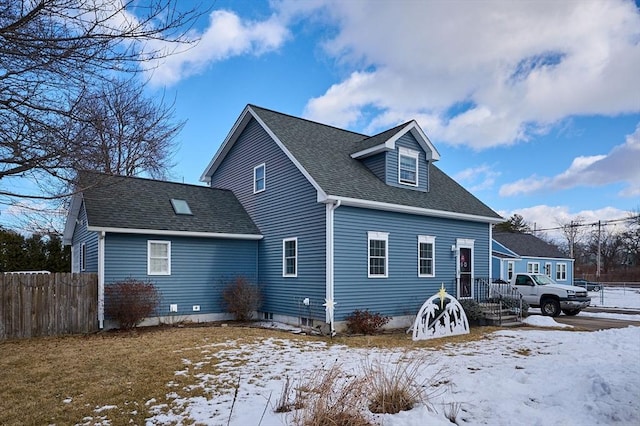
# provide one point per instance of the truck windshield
(542, 279)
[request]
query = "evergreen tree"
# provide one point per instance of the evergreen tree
(516, 223)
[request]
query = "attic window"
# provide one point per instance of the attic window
(408, 166)
(180, 206)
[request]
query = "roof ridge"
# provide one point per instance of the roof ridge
(311, 121)
(108, 175)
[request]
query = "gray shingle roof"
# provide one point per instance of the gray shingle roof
(145, 204)
(527, 245)
(380, 138)
(324, 152)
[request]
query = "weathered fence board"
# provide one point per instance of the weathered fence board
(47, 304)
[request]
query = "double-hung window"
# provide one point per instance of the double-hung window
(547, 269)
(408, 167)
(158, 257)
(533, 268)
(259, 178)
(561, 272)
(290, 257)
(378, 254)
(426, 256)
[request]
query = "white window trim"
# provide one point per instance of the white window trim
(264, 178)
(284, 258)
(550, 267)
(533, 267)
(168, 244)
(428, 239)
(405, 152)
(511, 269)
(382, 236)
(83, 257)
(561, 267)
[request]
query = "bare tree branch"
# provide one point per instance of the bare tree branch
(51, 52)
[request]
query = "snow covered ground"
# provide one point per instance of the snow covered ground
(524, 376)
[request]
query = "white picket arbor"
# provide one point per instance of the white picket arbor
(441, 315)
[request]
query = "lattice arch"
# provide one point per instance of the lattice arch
(441, 315)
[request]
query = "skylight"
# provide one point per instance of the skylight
(180, 206)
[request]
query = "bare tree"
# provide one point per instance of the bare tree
(631, 239)
(606, 245)
(574, 234)
(51, 52)
(122, 132)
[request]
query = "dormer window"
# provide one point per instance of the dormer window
(408, 166)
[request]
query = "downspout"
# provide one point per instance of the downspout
(101, 236)
(491, 253)
(329, 292)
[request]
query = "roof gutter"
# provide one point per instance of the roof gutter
(175, 233)
(399, 208)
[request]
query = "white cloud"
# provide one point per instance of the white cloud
(477, 178)
(226, 36)
(621, 164)
(516, 68)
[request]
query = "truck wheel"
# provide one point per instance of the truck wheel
(550, 307)
(571, 312)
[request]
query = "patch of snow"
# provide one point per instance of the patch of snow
(104, 408)
(542, 321)
(520, 376)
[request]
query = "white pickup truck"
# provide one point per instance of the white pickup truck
(540, 291)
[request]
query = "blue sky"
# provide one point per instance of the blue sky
(534, 106)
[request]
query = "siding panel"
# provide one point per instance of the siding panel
(200, 268)
(90, 239)
(287, 208)
(377, 164)
(403, 292)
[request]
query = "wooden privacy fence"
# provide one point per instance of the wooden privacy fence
(36, 304)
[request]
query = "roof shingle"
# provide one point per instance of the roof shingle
(324, 152)
(144, 204)
(527, 245)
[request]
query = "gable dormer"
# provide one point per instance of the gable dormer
(400, 156)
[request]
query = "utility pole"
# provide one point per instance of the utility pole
(598, 257)
(571, 240)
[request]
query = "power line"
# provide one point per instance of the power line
(602, 223)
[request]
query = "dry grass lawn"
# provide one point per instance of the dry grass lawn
(63, 380)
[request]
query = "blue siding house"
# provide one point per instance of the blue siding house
(515, 252)
(328, 221)
(188, 240)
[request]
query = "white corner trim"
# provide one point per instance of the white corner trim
(72, 217)
(226, 145)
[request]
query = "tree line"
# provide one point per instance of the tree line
(34, 253)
